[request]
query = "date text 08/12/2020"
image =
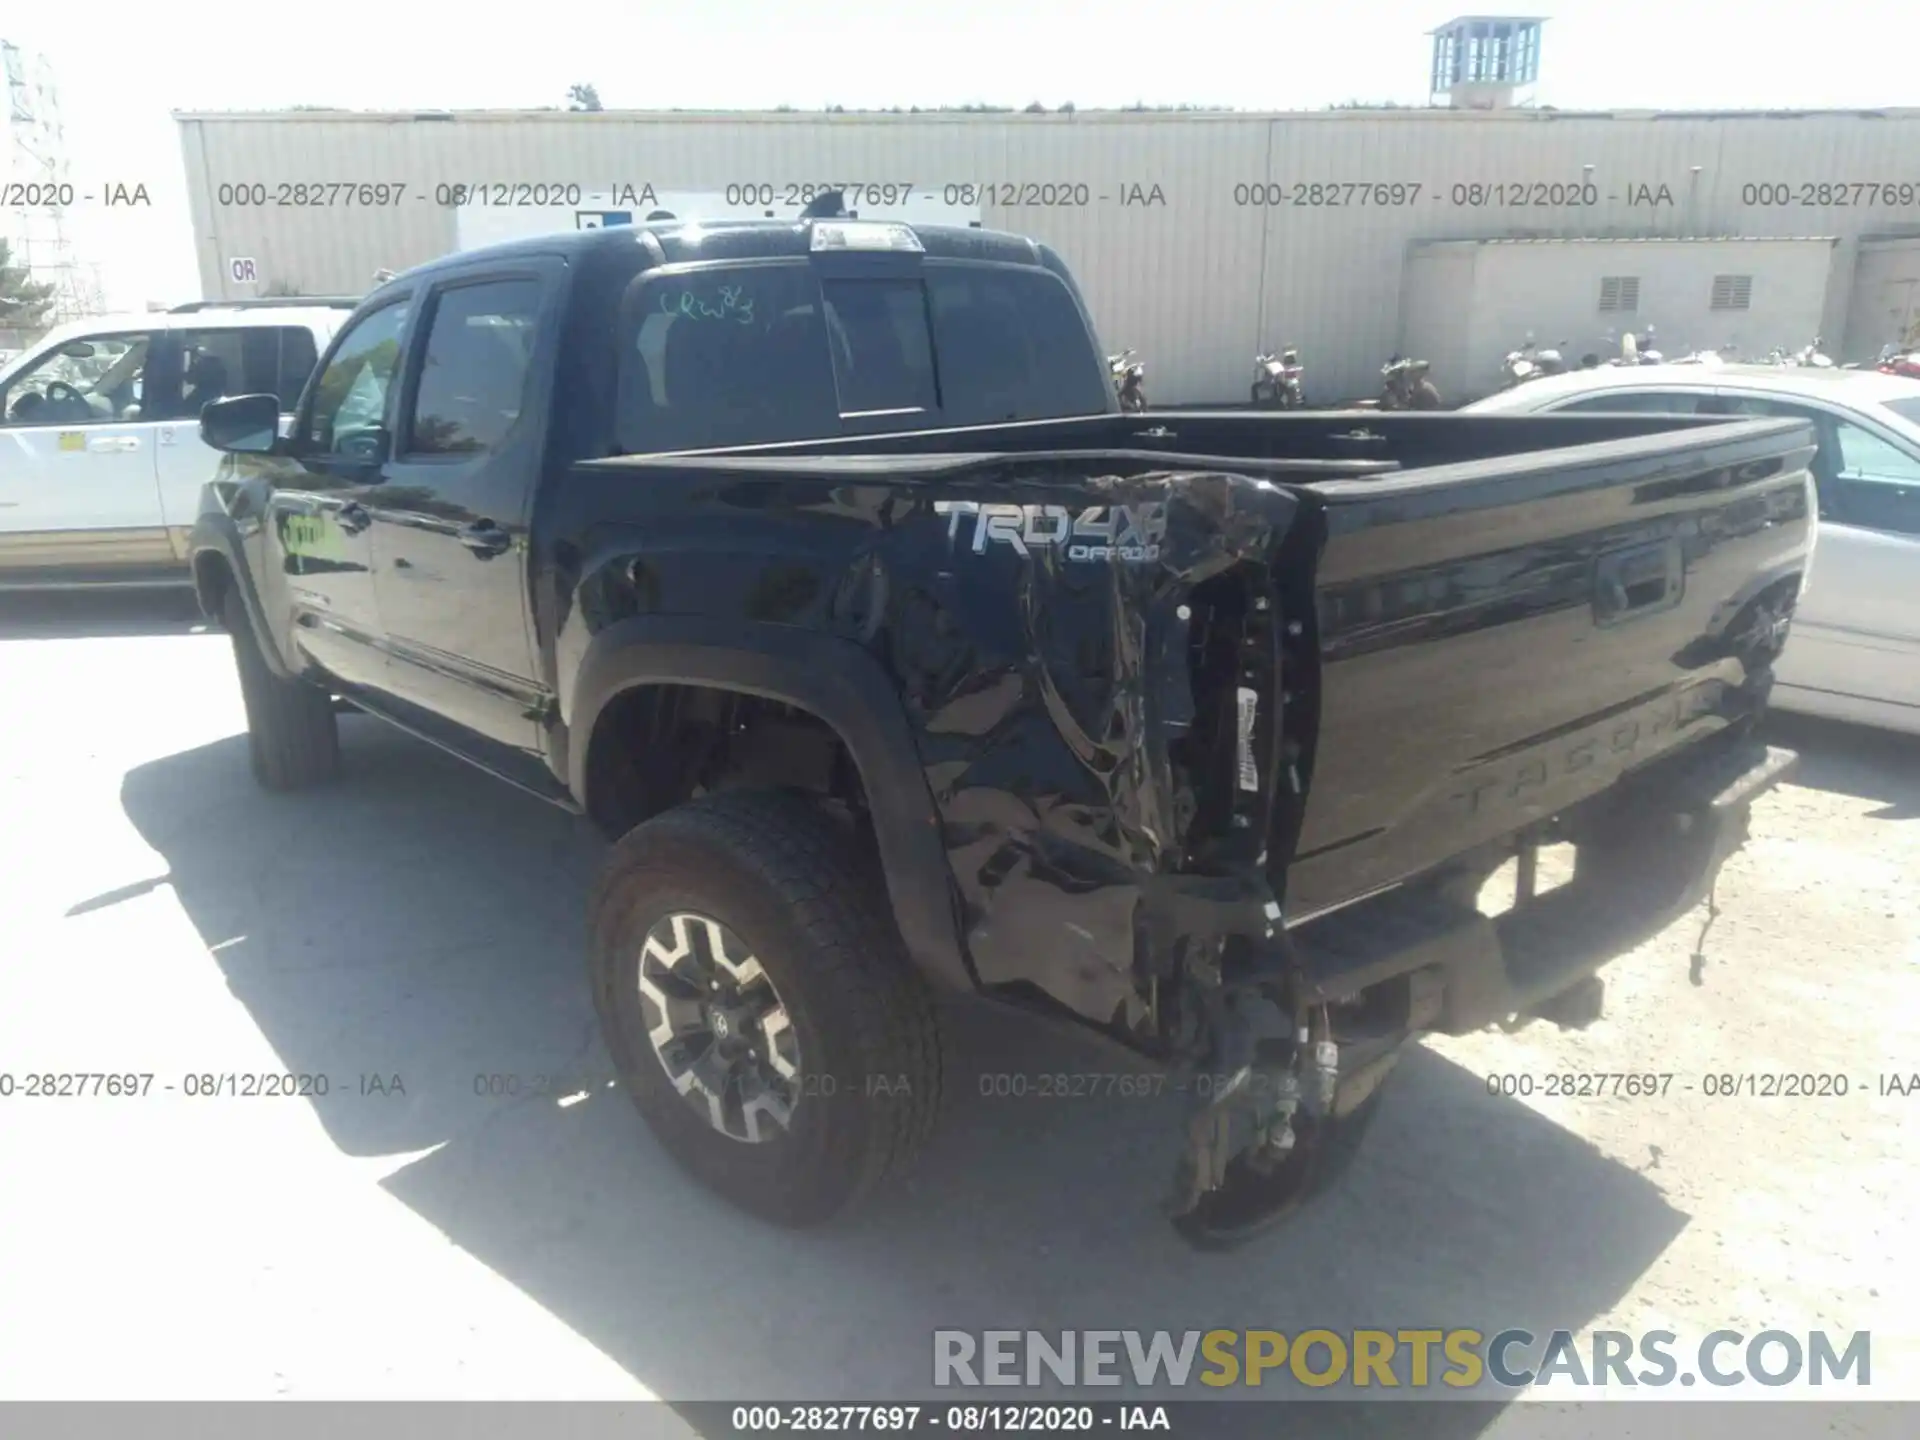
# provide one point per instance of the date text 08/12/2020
(1261, 194)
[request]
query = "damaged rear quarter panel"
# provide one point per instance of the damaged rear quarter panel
(1045, 662)
(1028, 615)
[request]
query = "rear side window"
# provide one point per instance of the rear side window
(1670, 402)
(238, 360)
(726, 357)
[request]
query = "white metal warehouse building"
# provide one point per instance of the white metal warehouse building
(1198, 238)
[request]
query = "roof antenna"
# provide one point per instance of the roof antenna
(827, 205)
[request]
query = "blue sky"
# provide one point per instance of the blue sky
(122, 69)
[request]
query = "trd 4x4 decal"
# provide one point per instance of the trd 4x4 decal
(1100, 532)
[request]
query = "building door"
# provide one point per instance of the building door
(1885, 307)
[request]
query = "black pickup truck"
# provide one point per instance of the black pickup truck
(817, 565)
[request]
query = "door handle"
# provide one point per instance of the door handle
(1639, 580)
(114, 444)
(354, 517)
(485, 539)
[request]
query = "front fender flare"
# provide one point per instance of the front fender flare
(215, 539)
(833, 679)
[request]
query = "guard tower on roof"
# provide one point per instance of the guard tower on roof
(1486, 62)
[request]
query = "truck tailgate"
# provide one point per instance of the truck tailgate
(1502, 638)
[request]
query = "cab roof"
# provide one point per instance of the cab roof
(678, 242)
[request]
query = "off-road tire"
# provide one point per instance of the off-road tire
(809, 902)
(293, 737)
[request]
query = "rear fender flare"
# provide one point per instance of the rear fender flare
(834, 680)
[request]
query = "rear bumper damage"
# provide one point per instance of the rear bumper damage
(1423, 958)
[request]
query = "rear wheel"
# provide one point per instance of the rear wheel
(759, 1004)
(293, 738)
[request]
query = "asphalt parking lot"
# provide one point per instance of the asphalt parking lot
(416, 929)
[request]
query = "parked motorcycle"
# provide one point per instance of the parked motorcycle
(1530, 362)
(1812, 355)
(1896, 361)
(1129, 380)
(1277, 381)
(1638, 349)
(1403, 386)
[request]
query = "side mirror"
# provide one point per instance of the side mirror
(243, 425)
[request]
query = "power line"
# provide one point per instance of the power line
(36, 164)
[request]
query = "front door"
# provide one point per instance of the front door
(450, 523)
(321, 507)
(1861, 616)
(79, 499)
(1856, 630)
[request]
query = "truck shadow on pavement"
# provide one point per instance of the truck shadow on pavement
(421, 922)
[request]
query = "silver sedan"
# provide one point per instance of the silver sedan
(1854, 650)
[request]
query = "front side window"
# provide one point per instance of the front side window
(473, 377)
(1878, 485)
(350, 400)
(1865, 456)
(97, 380)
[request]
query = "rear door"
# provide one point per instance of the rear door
(449, 537)
(79, 500)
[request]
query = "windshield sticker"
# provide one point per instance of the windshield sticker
(314, 536)
(727, 305)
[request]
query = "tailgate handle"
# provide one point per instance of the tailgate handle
(1638, 581)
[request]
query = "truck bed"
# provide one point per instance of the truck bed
(1498, 616)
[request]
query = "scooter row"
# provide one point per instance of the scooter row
(1530, 362)
(1278, 383)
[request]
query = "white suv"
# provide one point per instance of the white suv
(101, 461)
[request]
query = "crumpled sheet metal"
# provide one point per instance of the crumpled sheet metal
(1047, 681)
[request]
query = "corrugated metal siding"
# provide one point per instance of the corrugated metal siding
(1196, 285)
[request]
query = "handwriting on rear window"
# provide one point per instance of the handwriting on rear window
(726, 304)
